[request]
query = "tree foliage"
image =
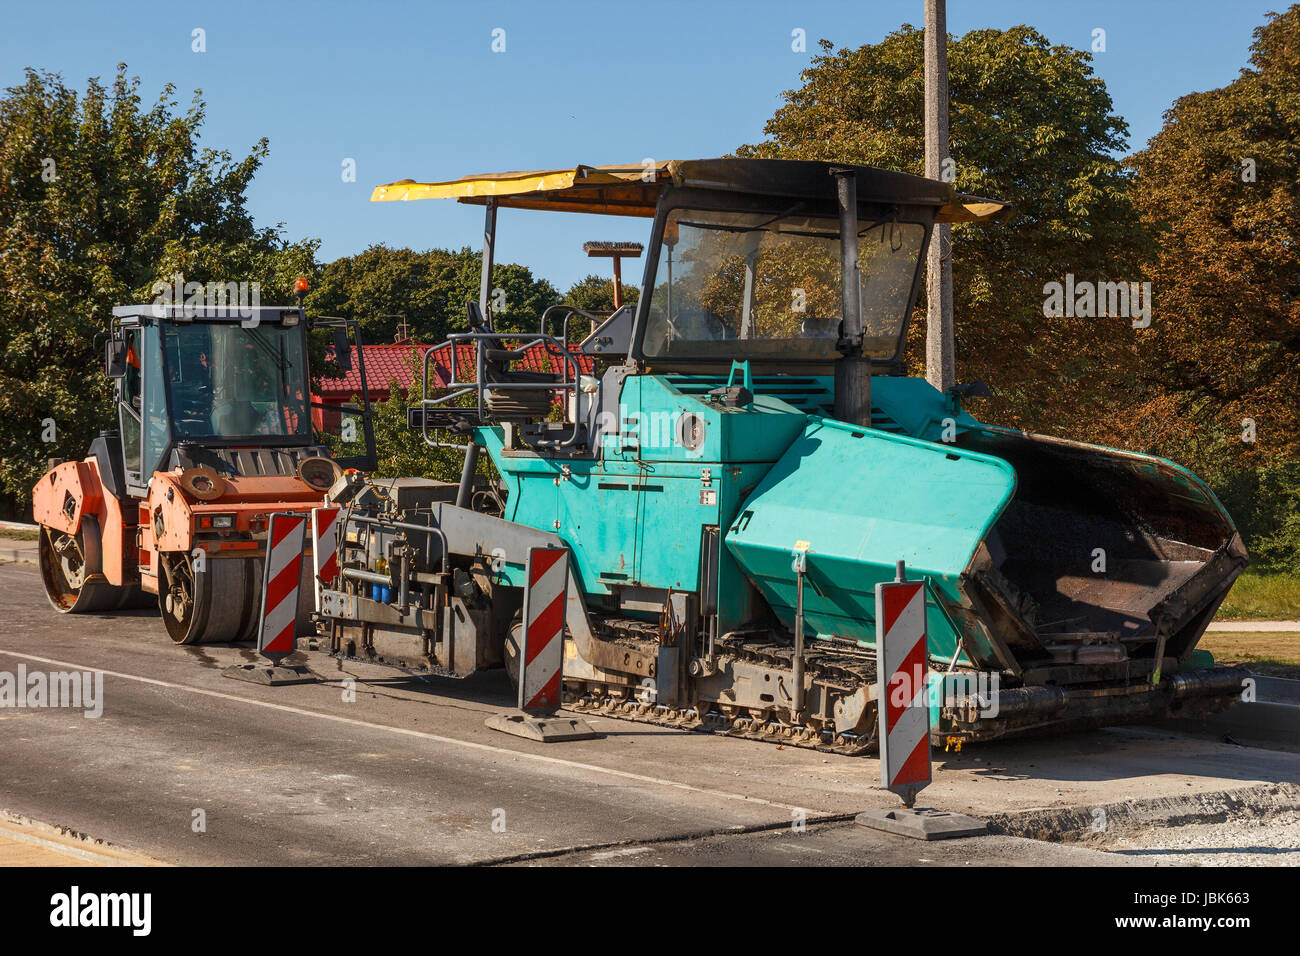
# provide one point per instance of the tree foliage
(595, 293)
(402, 451)
(99, 198)
(429, 289)
(1030, 123)
(1220, 182)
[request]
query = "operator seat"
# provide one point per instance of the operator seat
(510, 404)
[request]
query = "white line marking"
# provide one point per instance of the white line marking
(468, 744)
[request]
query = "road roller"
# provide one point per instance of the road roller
(217, 430)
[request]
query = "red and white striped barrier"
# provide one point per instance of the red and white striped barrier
(324, 547)
(279, 618)
(542, 655)
(901, 650)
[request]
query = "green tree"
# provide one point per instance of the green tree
(1032, 124)
(99, 198)
(596, 294)
(429, 288)
(1220, 182)
(402, 451)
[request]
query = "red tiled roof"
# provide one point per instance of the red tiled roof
(392, 362)
(384, 363)
(536, 359)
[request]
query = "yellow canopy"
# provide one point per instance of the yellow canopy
(604, 190)
(630, 190)
(966, 208)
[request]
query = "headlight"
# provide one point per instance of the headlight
(319, 473)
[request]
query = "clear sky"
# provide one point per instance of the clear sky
(415, 90)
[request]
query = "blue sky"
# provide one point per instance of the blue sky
(415, 90)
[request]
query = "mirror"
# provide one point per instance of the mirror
(342, 351)
(115, 358)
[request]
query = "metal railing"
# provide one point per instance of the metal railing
(569, 312)
(485, 347)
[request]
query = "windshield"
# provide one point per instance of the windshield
(733, 284)
(228, 381)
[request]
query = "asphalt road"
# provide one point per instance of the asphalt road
(407, 774)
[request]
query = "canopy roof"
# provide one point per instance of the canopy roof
(633, 190)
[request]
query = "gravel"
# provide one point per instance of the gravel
(1274, 841)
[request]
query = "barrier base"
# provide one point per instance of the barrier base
(922, 823)
(270, 676)
(547, 730)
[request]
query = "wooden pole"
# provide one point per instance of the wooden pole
(940, 365)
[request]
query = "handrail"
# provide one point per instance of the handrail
(571, 311)
(455, 388)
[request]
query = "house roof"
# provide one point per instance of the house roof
(536, 359)
(392, 362)
(385, 363)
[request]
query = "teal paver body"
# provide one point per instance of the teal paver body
(776, 474)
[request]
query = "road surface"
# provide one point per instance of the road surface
(185, 766)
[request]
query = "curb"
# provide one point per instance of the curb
(66, 844)
(18, 550)
(1254, 627)
(18, 555)
(1075, 824)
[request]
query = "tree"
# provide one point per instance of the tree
(596, 294)
(1220, 183)
(1032, 124)
(402, 451)
(430, 289)
(99, 199)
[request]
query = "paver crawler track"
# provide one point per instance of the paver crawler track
(832, 664)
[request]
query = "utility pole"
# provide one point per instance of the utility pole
(940, 366)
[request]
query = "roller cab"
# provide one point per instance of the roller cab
(216, 430)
